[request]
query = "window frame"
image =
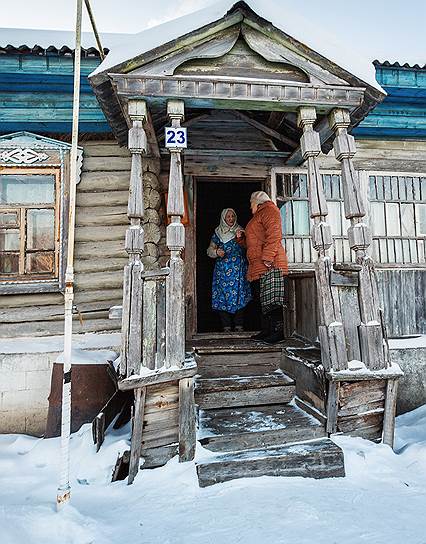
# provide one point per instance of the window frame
(22, 210)
(290, 241)
(24, 151)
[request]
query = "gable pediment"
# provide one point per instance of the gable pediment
(241, 51)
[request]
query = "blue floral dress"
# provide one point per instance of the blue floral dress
(230, 290)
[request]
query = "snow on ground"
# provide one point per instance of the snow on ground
(381, 500)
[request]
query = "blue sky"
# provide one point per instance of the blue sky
(392, 30)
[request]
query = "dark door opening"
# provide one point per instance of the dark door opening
(211, 197)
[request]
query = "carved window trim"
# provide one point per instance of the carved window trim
(38, 154)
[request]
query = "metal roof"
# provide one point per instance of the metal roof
(31, 41)
(388, 64)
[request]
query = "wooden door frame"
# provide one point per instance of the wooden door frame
(191, 184)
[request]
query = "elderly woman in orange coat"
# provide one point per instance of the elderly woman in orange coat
(267, 264)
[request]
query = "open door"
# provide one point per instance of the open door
(211, 196)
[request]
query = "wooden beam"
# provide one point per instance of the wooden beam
(265, 129)
(187, 432)
(160, 376)
(276, 119)
(136, 445)
(186, 123)
(332, 407)
(151, 135)
(389, 414)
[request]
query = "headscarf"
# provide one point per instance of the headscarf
(224, 232)
(259, 197)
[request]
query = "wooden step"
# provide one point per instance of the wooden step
(272, 388)
(232, 429)
(238, 345)
(316, 459)
(227, 365)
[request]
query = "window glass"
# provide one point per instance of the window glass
(40, 229)
(301, 217)
(8, 219)
(27, 189)
(9, 240)
(9, 263)
(37, 263)
(421, 219)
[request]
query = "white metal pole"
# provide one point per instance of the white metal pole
(64, 489)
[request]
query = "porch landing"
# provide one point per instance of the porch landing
(248, 422)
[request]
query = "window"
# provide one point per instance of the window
(29, 223)
(397, 214)
(398, 218)
(34, 189)
(292, 199)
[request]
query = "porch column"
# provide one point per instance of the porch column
(131, 352)
(371, 331)
(331, 332)
(175, 238)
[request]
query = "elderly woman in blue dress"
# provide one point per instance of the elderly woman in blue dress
(230, 290)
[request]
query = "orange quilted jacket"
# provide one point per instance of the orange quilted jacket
(263, 241)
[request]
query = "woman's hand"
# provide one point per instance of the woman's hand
(239, 234)
(220, 252)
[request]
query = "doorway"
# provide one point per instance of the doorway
(212, 195)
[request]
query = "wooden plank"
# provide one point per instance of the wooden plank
(101, 215)
(360, 421)
(136, 440)
(187, 437)
(161, 324)
(232, 429)
(267, 130)
(149, 324)
(249, 397)
(157, 457)
(239, 383)
(319, 459)
(160, 376)
(389, 412)
(332, 407)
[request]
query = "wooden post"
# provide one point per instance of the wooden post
(131, 352)
(137, 428)
(359, 234)
(187, 438)
(331, 333)
(332, 407)
(389, 413)
(175, 299)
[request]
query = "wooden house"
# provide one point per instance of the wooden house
(196, 116)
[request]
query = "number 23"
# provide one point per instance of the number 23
(175, 137)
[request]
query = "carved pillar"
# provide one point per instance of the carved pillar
(370, 331)
(331, 333)
(131, 352)
(175, 236)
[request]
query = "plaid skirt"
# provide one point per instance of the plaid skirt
(272, 290)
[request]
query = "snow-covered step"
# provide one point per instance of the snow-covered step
(316, 459)
(231, 429)
(272, 388)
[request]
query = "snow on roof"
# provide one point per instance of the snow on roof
(30, 37)
(282, 15)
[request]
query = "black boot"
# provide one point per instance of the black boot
(265, 323)
(277, 327)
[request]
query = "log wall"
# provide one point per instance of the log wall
(101, 222)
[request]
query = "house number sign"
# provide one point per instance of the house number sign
(176, 137)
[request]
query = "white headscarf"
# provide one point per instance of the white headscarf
(224, 232)
(259, 197)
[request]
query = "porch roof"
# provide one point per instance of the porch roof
(282, 16)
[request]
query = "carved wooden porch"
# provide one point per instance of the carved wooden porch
(242, 68)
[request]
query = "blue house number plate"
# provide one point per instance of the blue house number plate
(176, 137)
